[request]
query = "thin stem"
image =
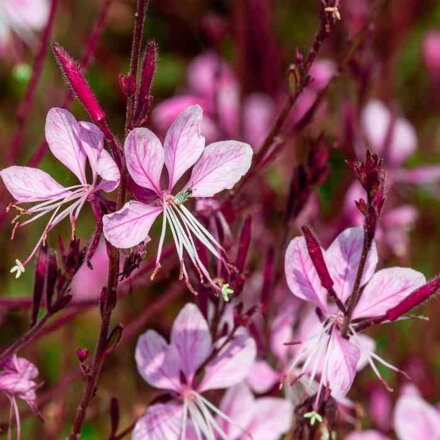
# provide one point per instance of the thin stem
(25, 106)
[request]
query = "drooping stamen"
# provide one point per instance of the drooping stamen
(160, 246)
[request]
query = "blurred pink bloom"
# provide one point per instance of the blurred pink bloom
(326, 351)
(265, 418)
(415, 419)
(215, 167)
(213, 85)
(22, 18)
(370, 434)
(16, 380)
(174, 367)
(73, 144)
(431, 54)
(380, 407)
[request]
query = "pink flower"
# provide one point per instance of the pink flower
(415, 419)
(175, 366)
(16, 380)
(264, 418)
(431, 54)
(326, 352)
(73, 144)
(370, 434)
(216, 167)
(22, 18)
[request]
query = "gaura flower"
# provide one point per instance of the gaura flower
(326, 352)
(22, 18)
(16, 380)
(216, 167)
(73, 144)
(264, 418)
(174, 367)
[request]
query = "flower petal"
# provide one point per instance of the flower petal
(62, 135)
(106, 167)
(428, 174)
(343, 258)
(369, 434)
(160, 422)
(386, 289)
(28, 184)
(221, 166)
(262, 377)
(130, 225)
(92, 142)
(301, 275)
(183, 143)
(258, 113)
(144, 156)
(415, 419)
(157, 362)
(190, 335)
(341, 364)
(232, 364)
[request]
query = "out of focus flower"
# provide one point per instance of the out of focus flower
(21, 18)
(16, 381)
(216, 167)
(175, 366)
(73, 144)
(370, 434)
(431, 54)
(264, 418)
(213, 85)
(326, 352)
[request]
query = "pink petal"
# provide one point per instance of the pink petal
(367, 346)
(144, 156)
(262, 377)
(301, 275)
(370, 434)
(130, 225)
(231, 365)
(386, 289)
(63, 138)
(161, 422)
(272, 418)
(31, 14)
(376, 119)
(190, 334)
(183, 143)
(258, 114)
(281, 332)
(92, 142)
(108, 170)
(423, 175)
(238, 404)
(24, 367)
(343, 258)
(415, 419)
(340, 371)
(221, 166)
(157, 362)
(28, 184)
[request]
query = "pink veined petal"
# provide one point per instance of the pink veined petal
(220, 167)
(262, 377)
(183, 143)
(340, 371)
(258, 113)
(130, 225)
(281, 332)
(28, 13)
(427, 174)
(144, 156)
(108, 170)
(157, 362)
(415, 419)
(386, 289)
(92, 142)
(238, 403)
(231, 365)
(24, 367)
(28, 184)
(370, 434)
(272, 418)
(62, 135)
(160, 422)
(342, 258)
(366, 346)
(190, 335)
(301, 275)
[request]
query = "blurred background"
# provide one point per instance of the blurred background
(397, 68)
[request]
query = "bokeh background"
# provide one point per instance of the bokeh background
(259, 39)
